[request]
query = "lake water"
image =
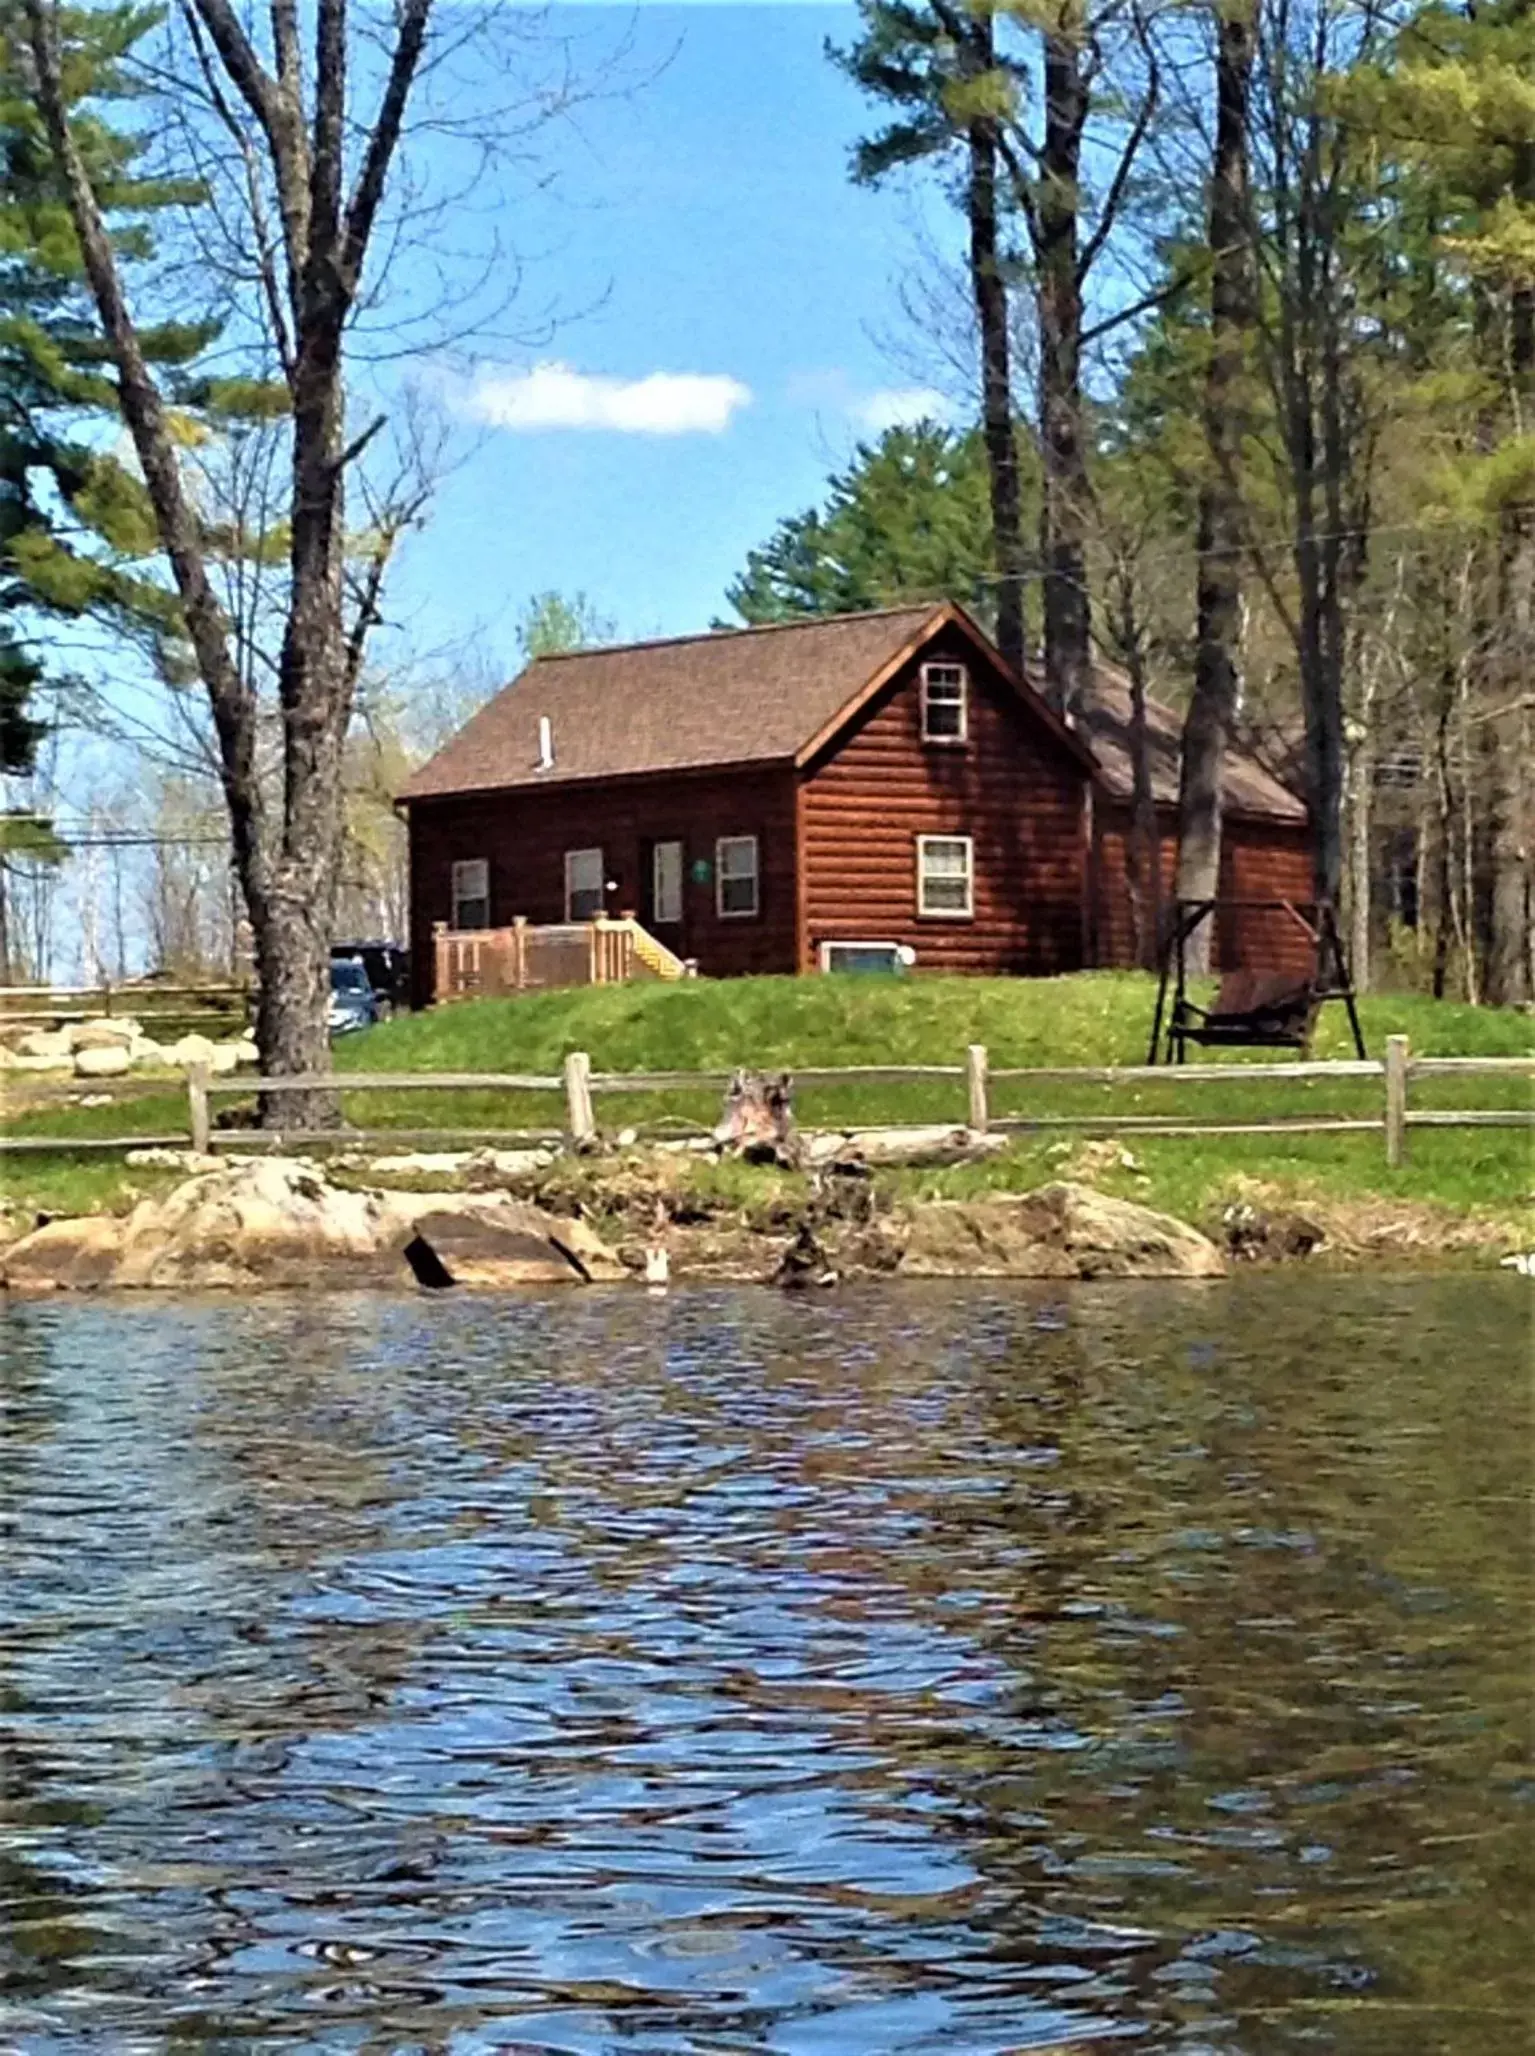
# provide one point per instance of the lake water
(968, 1669)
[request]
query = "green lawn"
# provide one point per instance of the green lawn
(1096, 1018)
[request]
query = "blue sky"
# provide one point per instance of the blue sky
(737, 290)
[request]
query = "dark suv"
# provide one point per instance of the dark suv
(387, 966)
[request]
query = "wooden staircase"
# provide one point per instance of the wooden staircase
(657, 959)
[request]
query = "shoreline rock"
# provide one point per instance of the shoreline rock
(277, 1221)
(495, 1220)
(1058, 1231)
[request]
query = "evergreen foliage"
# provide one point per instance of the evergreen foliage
(75, 528)
(907, 518)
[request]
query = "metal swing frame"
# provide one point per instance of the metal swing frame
(1286, 1024)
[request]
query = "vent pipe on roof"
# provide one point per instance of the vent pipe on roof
(545, 743)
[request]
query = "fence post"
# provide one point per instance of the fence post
(975, 1080)
(578, 1097)
(1396, 1100)
(520, 949)
(197, 1106)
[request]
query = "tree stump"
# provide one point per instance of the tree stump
(758, 1121)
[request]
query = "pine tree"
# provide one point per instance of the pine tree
(908, 519)
(1019, 87)
(937, 65)
(75, 529)
(1452, 106)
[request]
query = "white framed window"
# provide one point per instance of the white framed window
(735, 876)
(945, 703)
(666, 883)
(471, 893)
(946, 877)
(584, 895)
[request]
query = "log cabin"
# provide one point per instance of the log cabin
(761, 798)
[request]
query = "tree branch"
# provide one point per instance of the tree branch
(276, 314)
(1113, 199)
(144, 412)
(326, 165)
(362, 210)
(1159, 296)
(355, 448)
(1018, 178)
(281, 123)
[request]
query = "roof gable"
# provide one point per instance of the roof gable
(990, 658)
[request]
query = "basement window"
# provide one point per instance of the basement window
(584, 896)
(735, 876)
(945, 877)
(471, 893)
(945, 708)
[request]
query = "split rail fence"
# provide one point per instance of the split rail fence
(57, 1006)
(579, 1086)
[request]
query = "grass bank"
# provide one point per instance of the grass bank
(1098, 1018)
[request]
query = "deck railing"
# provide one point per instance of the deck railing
(475, 963)
(578, 1086)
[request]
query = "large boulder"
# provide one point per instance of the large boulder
(106, 1032)
(103, 1060)
(50, 1045)
(278, 1221)
(501, 1244)
(1058, 1231)
(73, 1255)
(189, 1050)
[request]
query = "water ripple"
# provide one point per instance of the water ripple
(916, 1670)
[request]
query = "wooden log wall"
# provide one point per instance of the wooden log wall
(1014, 788)
(523, 835)
(1259, 860)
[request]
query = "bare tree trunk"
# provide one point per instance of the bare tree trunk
(1218, 597)
(1064, 502)
(287, 868)
(1143, 851)
(1465, 901)
(1314, 182)
(1361, 791)
(1509, 945)
(997, 426)
(1145, 833)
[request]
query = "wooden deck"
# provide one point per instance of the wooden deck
(529, 957)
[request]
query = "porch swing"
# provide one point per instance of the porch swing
(1253, 1008)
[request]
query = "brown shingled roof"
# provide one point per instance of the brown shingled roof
(764, 695)
(1104, 721)
(739, 696)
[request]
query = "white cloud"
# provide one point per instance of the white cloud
(553, 395)
(902, 407)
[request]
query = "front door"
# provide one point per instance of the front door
(663, 898)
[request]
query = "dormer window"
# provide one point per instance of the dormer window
(945, 698)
